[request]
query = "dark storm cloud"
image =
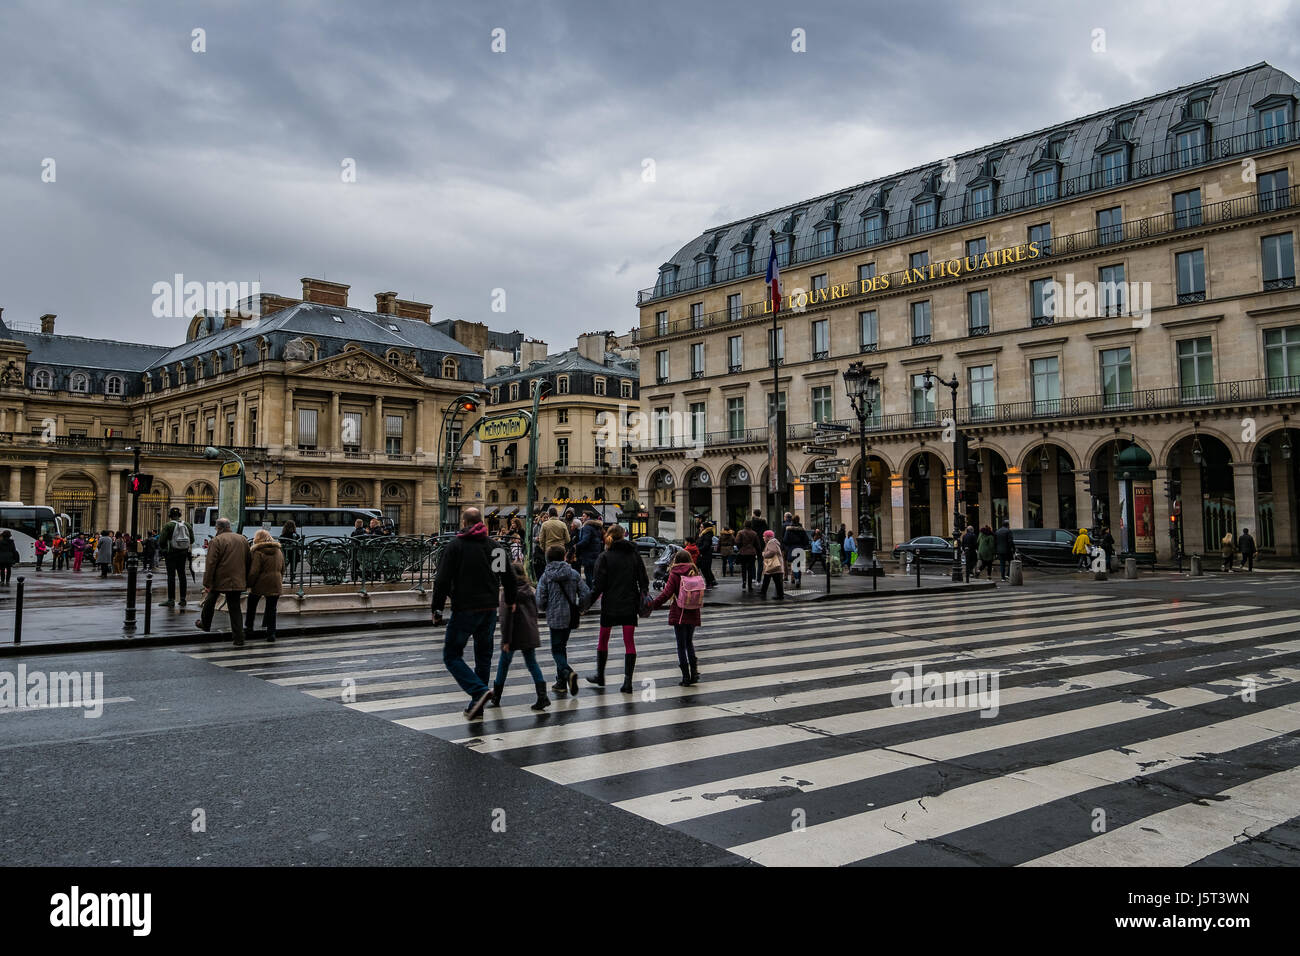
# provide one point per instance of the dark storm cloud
(519, 171)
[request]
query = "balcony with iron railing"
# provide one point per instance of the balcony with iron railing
(566, 469)
(119, 443)
(1084, 178)
(1138, 401)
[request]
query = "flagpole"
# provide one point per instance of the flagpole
(776, 481)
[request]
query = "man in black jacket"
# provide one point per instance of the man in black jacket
(1005, 546)
(471, 571)
(704, 541)
(795, 540)
(759, 524)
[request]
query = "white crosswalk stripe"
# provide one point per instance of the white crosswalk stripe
(796, 720)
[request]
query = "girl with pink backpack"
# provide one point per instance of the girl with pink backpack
(685, 588)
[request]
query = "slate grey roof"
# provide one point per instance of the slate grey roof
(568, 361)
(1230, 113)
(318, 321)
(79, 352)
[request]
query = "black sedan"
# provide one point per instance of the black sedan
(647, 545)
(928, 549)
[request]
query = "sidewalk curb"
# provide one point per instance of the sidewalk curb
(198, 637)
(864, 595)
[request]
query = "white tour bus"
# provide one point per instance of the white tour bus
(26, 523)
(312, 522)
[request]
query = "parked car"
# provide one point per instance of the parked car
(1045, 546)
(928, 549)
(648, 545)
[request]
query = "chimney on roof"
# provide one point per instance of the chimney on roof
(325, 293)
(591, 346)
(386, 303)
(407, 309)
(47, 323)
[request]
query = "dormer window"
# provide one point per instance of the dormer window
(1198, 107)
(80, 382)
(41, 378)
(1055, 147)
(496, 394)
(514, 391)
(873, 227)
(741, 258)
(980, 200)
(114, 385)
(599, 385)
(667, 284)
(1189, 146)
(825, 241)
(562, 385)
(1114, 166)
(923, 215)
(782, 244)
(704, 270)
(1273, 118)
(1124, 128)
(450, 368)
(216, 363)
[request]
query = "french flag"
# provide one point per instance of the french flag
(774, 280)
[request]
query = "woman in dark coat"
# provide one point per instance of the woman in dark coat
(8, 556)
(519, 632)
(621, 584)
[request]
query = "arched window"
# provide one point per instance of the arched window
(627, 494)
(514, 391)
(41, 378)
(216, 363)
(114, 385)
(496, 394)
(237, 357)
(450, 368)
(562, 385)
(599, 493)
(514, 494)
(80, 382)
(561, 492)
(394, 357)
(494, 496)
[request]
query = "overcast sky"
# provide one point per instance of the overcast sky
(519, 170)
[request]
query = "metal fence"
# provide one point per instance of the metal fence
(363, 562)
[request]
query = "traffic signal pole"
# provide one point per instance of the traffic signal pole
(128, 624)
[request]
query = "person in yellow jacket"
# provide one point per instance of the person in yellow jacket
(1081, 545)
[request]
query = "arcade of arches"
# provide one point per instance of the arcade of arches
(1204, 475)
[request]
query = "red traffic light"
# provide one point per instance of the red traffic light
(139, 484)
(469, 406)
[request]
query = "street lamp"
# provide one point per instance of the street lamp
(958, 522)
(1198, 455)
(860, 385)
(268, 474)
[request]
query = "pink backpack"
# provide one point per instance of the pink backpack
(690, 592)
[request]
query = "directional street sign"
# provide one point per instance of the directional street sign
(831, 464)
(820, 477)
(831, 427)
(828, 438)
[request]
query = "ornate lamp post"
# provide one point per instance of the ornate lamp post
(958, 464)
(859, 385)
(268, 473)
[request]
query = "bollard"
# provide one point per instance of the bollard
(1197, 569)
(1017, 572)
(1100, 576)
(1130, 569)
(148, 600)
(916, 560)
(18, 612)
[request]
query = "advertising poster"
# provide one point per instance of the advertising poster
(1144, 527)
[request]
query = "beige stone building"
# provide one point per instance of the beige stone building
(584, 460)
(349, 403)
(1127, 276)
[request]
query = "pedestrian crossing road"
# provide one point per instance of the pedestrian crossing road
(1126, 731)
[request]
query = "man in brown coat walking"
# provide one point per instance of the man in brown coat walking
(224, 572)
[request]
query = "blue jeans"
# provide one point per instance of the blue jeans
(589, 572)
(560, 652)
(530, 661)
(460, 626)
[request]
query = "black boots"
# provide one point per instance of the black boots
(686, 676)
(542, 700)
(599, 678)
(629, 665)
(496, 694)
(560, 688)
(695, 672)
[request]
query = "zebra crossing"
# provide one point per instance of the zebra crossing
(1126, 731)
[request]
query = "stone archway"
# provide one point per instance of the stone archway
(76, 494)
(737, 495)
(1276, 527)
(1050, 499)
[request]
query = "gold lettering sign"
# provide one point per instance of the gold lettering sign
(944, 269)
(229, 469)
(504, 427)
